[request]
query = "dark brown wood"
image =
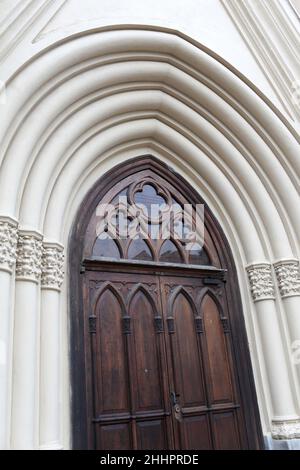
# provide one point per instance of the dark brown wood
(130, 406)
(199, 350)
(145, 335)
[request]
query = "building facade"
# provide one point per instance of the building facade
(201, 101)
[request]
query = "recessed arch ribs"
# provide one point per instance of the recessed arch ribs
(216, 76)
(85, 108)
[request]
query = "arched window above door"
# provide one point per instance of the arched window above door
(144, 218)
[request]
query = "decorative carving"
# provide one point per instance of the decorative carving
(8, 243)
(261, 281)
(52, 266)
(149, 287)
(29, 256)
(286, 429)
(169, 289)
(98, 284)
(288, 277)
(125, 287)
(147, 210)
(161, 192)
(192, 290)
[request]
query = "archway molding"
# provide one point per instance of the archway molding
(96, 99)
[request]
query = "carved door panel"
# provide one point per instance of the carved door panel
(161, 368)
(128, 383)
(206, 411)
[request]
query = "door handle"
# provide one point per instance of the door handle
(176, 406)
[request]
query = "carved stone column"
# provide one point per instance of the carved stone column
(26, 328)
(29, 256)
(52, 278)
(289, 429)
(8, 248)
(52, 266)
(288, 279)
(285, 421)
(261, 281)
(8, 243)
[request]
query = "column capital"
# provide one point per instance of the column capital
(52, 266)
(288, 277)
(8, 243)
(29, 256)
(261, 281)
(288, 429)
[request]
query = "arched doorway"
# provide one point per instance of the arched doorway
(158, 343)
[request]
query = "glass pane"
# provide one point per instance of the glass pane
(198, 255)
(106, 247)
(138, 249)
(169, 253)
(122, 193)
(149, 196)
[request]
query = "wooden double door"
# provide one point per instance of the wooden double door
(162, 373)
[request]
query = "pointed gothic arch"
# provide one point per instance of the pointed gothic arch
(122, 173)
(141, 288)
(172, 299)
(107, 286)
(238, 151)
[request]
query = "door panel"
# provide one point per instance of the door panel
(186, 357)
(145, 354)
(147, 371)
(225, 430)
(152, 434)
(220, 383)
(113, 436)
(130, 406)
(198, 432)
(199, 356)
(110, 357)
(162, 374)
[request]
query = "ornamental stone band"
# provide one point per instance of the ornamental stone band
(261, 281)
(29, 256)
(52, 266)
(286, 429)
(8, 243)
(288, 277)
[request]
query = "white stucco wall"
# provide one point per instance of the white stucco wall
(205, 21)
